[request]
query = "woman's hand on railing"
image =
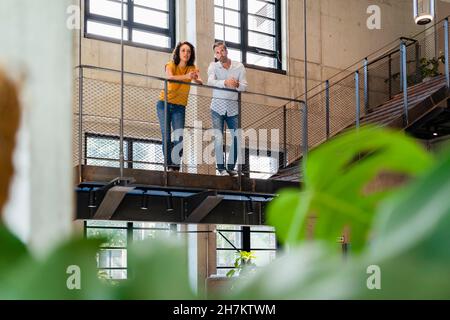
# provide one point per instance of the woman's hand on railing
(195, 76)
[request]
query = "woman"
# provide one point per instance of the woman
(181, 68)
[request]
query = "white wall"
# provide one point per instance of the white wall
(38, 45)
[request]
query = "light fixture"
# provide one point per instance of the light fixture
(144, 201)
(249, 206)
(92, 199)
(424, 11)
(169, 202)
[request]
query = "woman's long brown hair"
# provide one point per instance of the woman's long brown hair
(9, 123)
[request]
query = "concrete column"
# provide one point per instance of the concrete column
(38, 44)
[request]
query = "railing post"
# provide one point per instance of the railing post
(390, 77)
(358, 104)
(305, 131)
(240, 150)
(366, 86)
(404, 77)
(164, 138)
(285, 156)
(327, 108)
(446, 49)
(80, 106)
(80, 124)
(418, 73)
(121, 156)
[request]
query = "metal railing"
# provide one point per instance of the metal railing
(109, 131)
(345, 102)
(118, 109)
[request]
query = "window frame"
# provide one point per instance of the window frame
(128, 164)
(170, 32)
(243, 30)
(129, 229)
(245, 243)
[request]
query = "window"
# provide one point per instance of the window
(263, 166)
(112, 260)
(251, 30)
(260, 240)
(259, 164)
(148, 23)
(102, 150)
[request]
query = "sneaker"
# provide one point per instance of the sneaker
(232, 173)
(222, 173)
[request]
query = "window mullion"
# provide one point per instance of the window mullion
(158, 31)
(130, 154)
(244, 30)
(278, 33)
(130, 16)
(246, 244)
(172, 22)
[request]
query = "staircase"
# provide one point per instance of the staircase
(422, 98)
(391, 112)
(372, 94)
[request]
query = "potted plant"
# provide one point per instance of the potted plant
(429, 68)
(243, 263)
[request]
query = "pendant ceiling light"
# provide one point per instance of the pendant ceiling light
(424, 11)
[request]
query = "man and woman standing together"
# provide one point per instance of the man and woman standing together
(224, 74)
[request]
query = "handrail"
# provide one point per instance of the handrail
(349, 68)
(351, 73)
(191, 84)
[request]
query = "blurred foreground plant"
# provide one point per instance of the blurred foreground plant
(408, 245)
(333, 193)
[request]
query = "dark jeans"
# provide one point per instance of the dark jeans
(175, 119)
(218, 125)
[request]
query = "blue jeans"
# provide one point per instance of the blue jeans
(218, 125)
(175, 119)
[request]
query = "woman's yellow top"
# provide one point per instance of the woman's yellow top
(178, 93)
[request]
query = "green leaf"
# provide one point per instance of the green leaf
(337, 174)
(12, 250)
(287, 214)
(157, 270)
(49, 279)
(410, 247)
(231, 273)
(420, 214)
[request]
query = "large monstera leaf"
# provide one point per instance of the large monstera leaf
(337, 173)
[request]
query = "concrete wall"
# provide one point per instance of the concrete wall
(442, 9)
(338, 37)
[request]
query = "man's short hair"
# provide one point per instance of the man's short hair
(218, 44)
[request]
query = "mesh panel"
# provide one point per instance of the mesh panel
(384, 83)
(270, 126)
(383, 80)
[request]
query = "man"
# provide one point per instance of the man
(225, 73)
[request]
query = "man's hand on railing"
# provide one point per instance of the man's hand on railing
(232, 83)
